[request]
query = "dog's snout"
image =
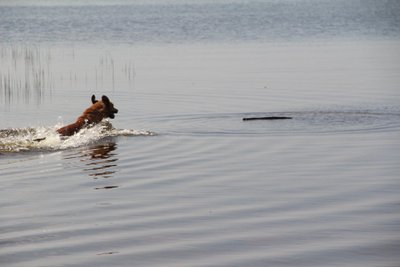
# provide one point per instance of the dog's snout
(115, 110)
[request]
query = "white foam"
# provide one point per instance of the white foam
(47, 138)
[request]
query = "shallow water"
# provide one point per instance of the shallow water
(210, 189)
(180, 179)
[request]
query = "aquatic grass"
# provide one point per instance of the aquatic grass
(33, 72)
(25, 72)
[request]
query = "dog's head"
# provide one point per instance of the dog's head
(108, 109)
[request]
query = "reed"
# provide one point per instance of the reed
(32, 72)
(24, 72)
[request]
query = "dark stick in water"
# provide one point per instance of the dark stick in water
(267, 118)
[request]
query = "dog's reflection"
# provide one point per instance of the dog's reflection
(100, 160)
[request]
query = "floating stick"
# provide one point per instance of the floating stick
(267, 118)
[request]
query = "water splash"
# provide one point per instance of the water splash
(47, 138)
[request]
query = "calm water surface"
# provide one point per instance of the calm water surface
(181, 180)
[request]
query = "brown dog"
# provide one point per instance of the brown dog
(93, 115)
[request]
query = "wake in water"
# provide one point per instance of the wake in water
(285, 123)
(47, 138)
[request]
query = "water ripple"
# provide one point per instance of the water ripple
(302, 122)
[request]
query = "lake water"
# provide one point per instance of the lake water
(181, 179)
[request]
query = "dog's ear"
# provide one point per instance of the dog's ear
(94, 99)
(105, 100)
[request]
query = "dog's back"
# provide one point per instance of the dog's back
(92, 115)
